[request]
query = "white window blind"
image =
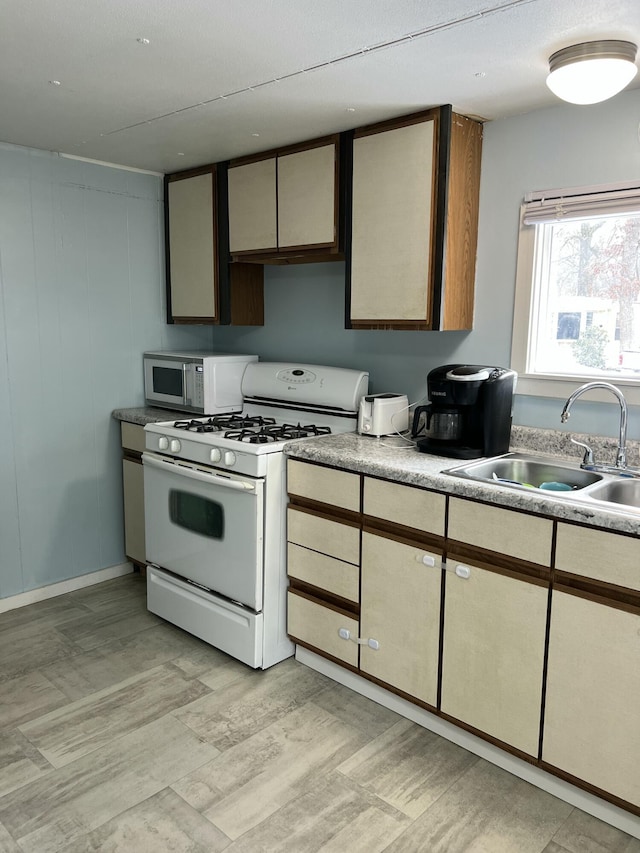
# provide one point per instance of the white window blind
(577, 203)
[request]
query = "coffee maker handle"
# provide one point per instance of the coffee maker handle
(416, 419)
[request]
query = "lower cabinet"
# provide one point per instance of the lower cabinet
(493, 652)
(592, 717)
(133, 492)
(527, 635)
(400, 615)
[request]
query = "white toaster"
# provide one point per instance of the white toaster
(383, 414)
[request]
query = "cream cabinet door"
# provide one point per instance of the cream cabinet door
(192, 250)
(307, 197)
(253, 223)
(391, 224)
(400, 615)
(133, 491)
(592, 716)
(493, 653)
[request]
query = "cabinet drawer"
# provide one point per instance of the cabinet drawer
(334, 576)
(336, 488)
(425, 511)
(132, 436)
(598, 554)
(312, 623)
(341, 541)
(516, 534)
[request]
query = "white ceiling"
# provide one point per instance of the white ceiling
(224, 78)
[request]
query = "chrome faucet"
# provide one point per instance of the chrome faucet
(621, 455)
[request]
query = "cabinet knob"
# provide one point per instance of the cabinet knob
(463, 571)
(428, 560)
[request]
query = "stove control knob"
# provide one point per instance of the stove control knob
(163, 443)
(229, 458)
(174, 445)
(215, 455)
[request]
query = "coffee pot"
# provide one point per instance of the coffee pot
(469, 411)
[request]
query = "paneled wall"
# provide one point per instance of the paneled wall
(81, 297)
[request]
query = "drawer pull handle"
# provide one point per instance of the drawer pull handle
(345, 634)
(463, 571)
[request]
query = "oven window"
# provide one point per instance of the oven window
(167, 380)
(197, 514)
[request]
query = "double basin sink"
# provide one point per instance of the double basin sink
(553, 478)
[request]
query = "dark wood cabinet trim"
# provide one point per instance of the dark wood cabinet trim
(591, 789)
(347, 612)
(324, 597)
(404, 535)
(500, 564)
(394, 123)
(295, 148)
(618, 598)
(346, 517)
(321, 653)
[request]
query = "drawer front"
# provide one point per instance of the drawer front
(334, 576)
(425, 511)
(132, 436)
(327, 537)
(598, 554)
(312, 623)
(516, 534)
(336, 488)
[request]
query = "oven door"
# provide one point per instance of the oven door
(205, 526)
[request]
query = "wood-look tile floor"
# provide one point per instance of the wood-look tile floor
(119, 732)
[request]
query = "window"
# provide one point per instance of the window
(577, 313)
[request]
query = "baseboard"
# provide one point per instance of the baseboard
(54, 589)
(589, 803)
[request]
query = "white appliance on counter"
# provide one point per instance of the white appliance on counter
(204, 383)
(383, 414)
(215, 506)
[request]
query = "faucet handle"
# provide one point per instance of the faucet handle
(587, 459)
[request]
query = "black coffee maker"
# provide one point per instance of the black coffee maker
(469, 413)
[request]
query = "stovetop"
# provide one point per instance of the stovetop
(240, 443)
(251, 429)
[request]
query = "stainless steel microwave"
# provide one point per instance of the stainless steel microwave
(204, 383)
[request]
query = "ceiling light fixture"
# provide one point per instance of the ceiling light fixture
(593, 71)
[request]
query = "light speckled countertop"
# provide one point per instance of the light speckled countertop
(395, 459)
(142, 415)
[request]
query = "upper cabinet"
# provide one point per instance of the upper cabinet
(284, 205)
(202, 286)
(414, 220)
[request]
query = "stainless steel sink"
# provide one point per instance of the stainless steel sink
(520, 470)
(618, 491)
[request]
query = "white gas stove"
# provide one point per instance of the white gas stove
(215, 505)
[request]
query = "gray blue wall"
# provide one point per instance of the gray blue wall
(82, 296)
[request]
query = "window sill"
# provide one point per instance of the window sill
(562, 386)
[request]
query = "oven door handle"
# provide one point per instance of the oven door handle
(196, 474)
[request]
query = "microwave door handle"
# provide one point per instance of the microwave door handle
(186, 391)
(195, 474)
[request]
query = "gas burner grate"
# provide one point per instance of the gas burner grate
(251, 436)
(289, 431)
(220, 423)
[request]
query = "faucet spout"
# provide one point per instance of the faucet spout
(621, 455)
